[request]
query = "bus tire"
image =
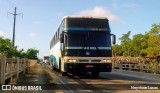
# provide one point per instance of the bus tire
(53, 68)
(59, 65)
(64, 73)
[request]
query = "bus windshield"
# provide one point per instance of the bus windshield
(88, 39)
(95, 43)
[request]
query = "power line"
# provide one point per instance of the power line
(14, 24)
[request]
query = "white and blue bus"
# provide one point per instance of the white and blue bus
(82, 44)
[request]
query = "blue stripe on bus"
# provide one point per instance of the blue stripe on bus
(54, 61)
(85, 29)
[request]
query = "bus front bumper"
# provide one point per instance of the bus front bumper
(88, 67)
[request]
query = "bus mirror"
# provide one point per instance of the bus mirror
(113, 39)
(62, 38)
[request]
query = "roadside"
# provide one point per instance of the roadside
(38, 76)
(151, 77)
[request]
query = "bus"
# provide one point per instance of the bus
(82, 44)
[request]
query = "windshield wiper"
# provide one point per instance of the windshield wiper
(96, 47)
(85, 45)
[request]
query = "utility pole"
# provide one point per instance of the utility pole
(14, 24)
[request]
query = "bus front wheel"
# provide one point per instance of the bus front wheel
(54, 68)
(64, 73)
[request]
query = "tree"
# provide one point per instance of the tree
(147, 44)
(117, 50)
(137, 44)
(6, 47)
(32, 53)
(153, 41)
(125, 43)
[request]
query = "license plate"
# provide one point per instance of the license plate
(89, 66)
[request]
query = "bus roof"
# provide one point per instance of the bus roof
(85, 17)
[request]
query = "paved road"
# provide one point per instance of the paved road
(106, 83)
(114, 82)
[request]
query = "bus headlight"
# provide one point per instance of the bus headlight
(107, 60)
(70, 60)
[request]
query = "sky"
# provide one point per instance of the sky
(40, 19)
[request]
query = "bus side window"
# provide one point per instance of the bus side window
(62, 38)
(58, 34)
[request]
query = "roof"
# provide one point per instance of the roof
(85, 17)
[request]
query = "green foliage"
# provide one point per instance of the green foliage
(137, 43)
(7, 49)
(125, 43)
(117, 49)
(32, 53)
(154, 41)
(152, 51)
(125, 38)
(140, 45)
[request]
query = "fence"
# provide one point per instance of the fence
(10, 68)
(137, 64)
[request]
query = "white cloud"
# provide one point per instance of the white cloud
(2, 32)
(129, 5)
(33, 35)
(99, 12)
